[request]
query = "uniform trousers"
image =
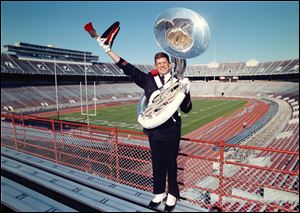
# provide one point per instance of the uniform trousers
(164, 146)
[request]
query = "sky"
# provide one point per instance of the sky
(240, 31)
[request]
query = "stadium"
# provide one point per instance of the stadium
(244, 159)
(82, 134)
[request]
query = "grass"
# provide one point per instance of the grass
(125, 116)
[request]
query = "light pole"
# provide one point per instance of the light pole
(56, 96)
(215, 62)
(87, 114)
(86, 97)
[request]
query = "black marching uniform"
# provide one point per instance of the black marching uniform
(164, 139)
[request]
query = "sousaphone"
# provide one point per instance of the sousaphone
(183, 34)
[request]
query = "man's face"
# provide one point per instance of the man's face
(163, 66)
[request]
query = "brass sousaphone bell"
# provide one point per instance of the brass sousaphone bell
(183, 34)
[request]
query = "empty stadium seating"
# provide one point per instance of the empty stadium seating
(87, 189)
(29, 98)
(11, 64)
(271, 114)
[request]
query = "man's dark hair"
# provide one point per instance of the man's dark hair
(161, 55)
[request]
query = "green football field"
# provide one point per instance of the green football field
(125, 116)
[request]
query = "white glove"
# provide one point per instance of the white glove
(101, 41)
(186, 85)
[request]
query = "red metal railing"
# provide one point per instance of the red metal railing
(217, 178)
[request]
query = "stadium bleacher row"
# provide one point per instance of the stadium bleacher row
(28, 200)
(68, 96)
(241, 69)
(12, 64)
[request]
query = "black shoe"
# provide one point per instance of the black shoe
(153, 205)
(169, 208)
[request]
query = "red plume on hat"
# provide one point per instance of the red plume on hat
(90, 29)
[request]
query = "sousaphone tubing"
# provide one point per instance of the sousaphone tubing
(183, 34)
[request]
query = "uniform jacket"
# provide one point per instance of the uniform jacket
(147, 82)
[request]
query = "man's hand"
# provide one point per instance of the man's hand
(186, 85)
(102, 44)
(107, 38)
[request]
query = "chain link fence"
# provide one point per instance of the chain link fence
(231, 177)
